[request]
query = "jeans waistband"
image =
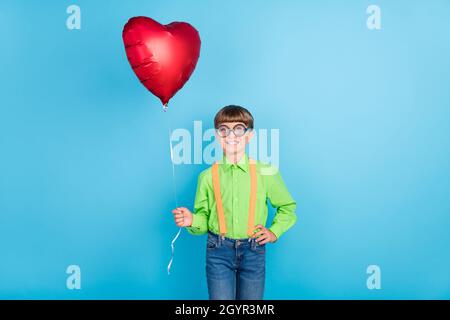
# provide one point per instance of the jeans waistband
(233, 242)
(229, 239)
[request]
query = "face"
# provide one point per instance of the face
(236, 141)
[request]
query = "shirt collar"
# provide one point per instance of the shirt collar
(242, 164)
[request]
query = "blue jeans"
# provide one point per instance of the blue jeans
(235, 268)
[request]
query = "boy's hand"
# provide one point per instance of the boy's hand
(264, 235)
(182, 217)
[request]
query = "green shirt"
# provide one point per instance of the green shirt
(235, 191)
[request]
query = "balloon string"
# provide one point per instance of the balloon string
(165, 108)
(172, 244)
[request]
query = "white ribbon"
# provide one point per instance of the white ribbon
(173, 250)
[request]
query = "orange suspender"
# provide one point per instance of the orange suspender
(219, 204)
(218, 197)
(252, 204)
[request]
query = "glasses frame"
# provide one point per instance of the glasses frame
(229, 130)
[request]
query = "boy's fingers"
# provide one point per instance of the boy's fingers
(258, 234)
(260, 239)
(259, 228)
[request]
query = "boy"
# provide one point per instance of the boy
(230, 205)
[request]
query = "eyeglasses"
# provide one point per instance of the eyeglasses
(239, 130)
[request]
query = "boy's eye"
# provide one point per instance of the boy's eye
(239, 130)
(223, 131)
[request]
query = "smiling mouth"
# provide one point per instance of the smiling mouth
(233, 143)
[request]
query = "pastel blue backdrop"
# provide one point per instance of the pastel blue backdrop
(85, 173)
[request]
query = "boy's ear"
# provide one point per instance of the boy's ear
(249, 136)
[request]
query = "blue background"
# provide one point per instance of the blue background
(85, 173)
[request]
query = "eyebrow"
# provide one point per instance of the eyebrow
(239, 123)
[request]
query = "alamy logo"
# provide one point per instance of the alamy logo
(374, 20)
(74, 279)
(74, 20)
(374, 279)
(202, 147)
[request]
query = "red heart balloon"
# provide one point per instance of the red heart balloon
(163, 57)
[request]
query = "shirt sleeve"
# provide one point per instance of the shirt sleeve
(281, 199)
(200, 215)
